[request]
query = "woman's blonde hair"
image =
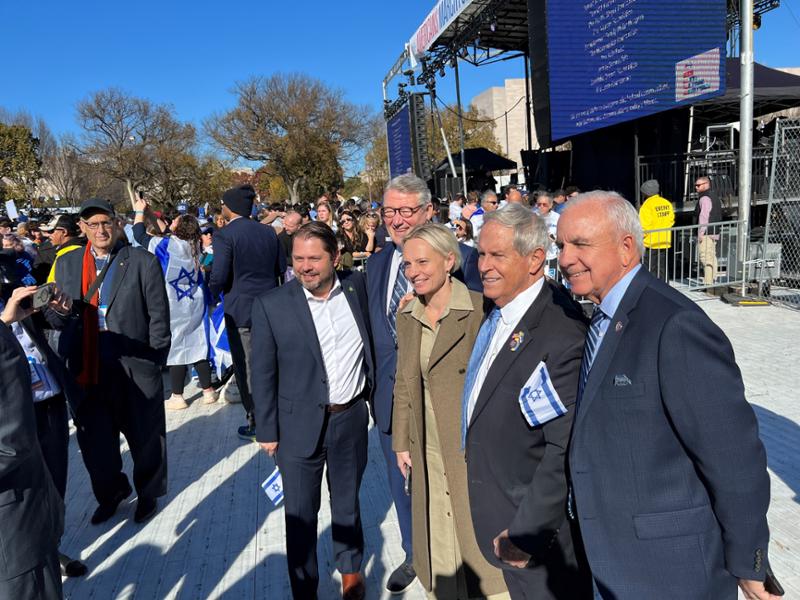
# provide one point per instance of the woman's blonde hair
(440, 238)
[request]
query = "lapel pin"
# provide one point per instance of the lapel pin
(516, 341)
(618, 326)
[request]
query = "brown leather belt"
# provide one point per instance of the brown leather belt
(337, 408)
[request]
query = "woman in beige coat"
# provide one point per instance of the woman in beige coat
(436, 332)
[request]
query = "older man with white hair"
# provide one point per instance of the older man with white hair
(517, 411)
(668, 476)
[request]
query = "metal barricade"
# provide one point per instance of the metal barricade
(699, 257)
(777, 249)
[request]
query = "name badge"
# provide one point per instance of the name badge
(36, 379)
(102, 310)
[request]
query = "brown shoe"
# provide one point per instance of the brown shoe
(353, 586)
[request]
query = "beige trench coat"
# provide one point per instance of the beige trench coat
(447, 368)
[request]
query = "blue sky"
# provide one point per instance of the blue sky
(189, 54)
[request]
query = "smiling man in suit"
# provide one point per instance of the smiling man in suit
(518, 406)
(669, 478)
(406, 204)
(312, 377)
(115, 346)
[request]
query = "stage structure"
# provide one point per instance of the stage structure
(407, 138)
(594, 64)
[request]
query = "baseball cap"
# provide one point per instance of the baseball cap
(61, 222)
(96, 205)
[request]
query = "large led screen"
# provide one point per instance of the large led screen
(398, 136)
(610, 61)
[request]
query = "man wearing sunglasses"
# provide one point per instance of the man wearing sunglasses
(116, 344)
(406, 204)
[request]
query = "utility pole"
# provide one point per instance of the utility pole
(745, 128)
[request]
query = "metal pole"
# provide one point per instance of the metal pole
(528, 110)
(461, 130)
(685, 194)
(745, 127)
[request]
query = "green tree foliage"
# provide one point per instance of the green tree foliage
(297, 126)
(19, 161)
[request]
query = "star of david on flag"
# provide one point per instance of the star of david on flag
(273, 487)
(538, 401)
(184, 284)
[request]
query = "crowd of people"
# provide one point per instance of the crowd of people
(533, 449)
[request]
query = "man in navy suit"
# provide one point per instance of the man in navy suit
(248, 261)
(312, 376)
(668, 475)
(406, 204)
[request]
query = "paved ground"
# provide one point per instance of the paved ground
(217, 535)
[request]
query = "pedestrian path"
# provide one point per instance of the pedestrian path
(217, 535)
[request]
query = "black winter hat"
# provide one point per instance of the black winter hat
(240, 199)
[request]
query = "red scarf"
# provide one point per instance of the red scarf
(91, 357)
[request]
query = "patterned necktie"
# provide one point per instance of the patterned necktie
(398, 291)
(476, 358)
(593, 339)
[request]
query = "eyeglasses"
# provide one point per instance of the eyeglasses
(346, 220)
(98, 224)
(405, 212)
(491, 202)
(542, 204)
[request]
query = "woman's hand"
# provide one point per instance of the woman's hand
(403, 461)
(13, 312)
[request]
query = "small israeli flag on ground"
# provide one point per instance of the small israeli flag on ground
(220, 351)
(538, 400)
(273, 487)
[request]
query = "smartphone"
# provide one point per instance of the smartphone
(141, 195)
(407, 483)
(41, 297)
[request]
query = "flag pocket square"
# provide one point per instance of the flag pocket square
(273, 487)
(621, 380)
(538, 400)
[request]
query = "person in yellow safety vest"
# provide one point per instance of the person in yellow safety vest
(656, 213)
(64, 232)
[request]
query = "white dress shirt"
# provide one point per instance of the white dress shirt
(510, 316)
(397, 256)
(341, 344)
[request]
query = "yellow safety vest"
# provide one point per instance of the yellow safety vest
(657, 213)
(66, 249)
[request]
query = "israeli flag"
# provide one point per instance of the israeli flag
(219, 349)
(187, 301)
(538, 400)
(273, 487)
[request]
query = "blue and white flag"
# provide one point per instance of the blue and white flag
(273, 487)
(187, 301)
(219, 349)
(538, 400)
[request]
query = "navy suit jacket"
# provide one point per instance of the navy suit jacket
(289, 380)
(248, 260)
(669, 474)
(378, 267)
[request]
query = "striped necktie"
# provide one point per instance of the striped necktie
(398, 291)
(485, 335)
(593, 339)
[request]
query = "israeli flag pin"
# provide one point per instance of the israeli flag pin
(618, 326)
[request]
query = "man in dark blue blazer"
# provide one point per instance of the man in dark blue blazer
(406, 204)
(668, 475)
(313, 374)
(248, 261)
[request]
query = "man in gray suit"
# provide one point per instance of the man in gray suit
(668, 476)
(115, 345)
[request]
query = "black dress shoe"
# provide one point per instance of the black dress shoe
(402, 577)
(106, 510)
(71, 567)
(145, 509)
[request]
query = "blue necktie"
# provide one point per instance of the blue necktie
(398, 291)
(593, 339)
(476, 358)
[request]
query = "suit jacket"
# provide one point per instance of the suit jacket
(137, 318)
(248, 260)
(378, 267)
(668, 472)
(289, 380)
(31, 511)
(517, 478)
